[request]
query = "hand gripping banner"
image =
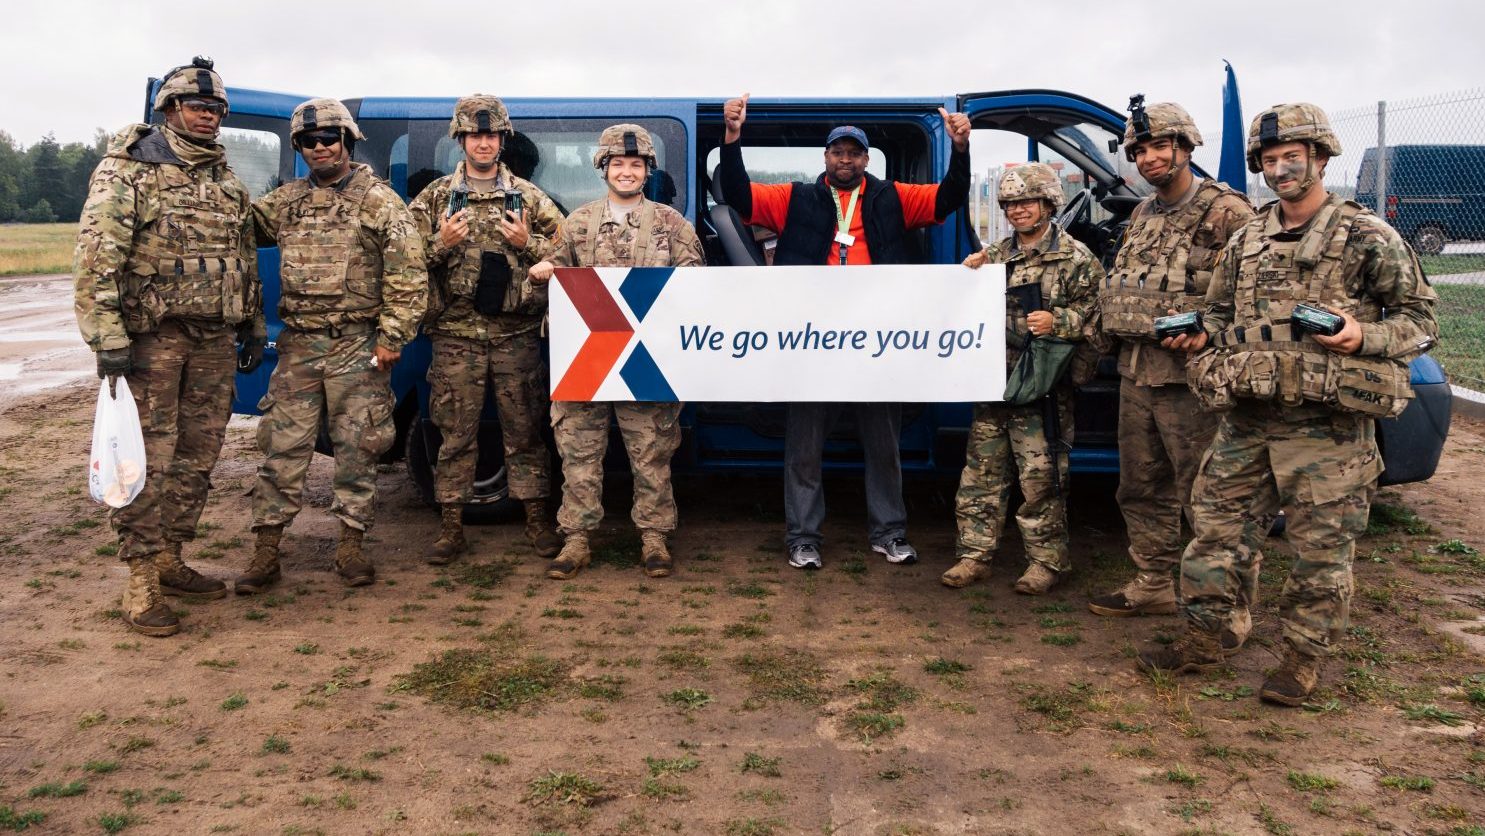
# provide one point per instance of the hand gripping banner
(881, 333)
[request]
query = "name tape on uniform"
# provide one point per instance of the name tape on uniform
(875, 333)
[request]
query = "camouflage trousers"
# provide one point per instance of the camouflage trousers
(651, 433)
(330, 379)
(1009, 444)
(182, 385)
(1162, 436)
(457, 378)
(1317, 465)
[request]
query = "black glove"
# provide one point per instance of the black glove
(250, 353)
(114, 362)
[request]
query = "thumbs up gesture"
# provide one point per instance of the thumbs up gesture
(957, 124)
(734, 114)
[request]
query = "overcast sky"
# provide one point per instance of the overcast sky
(70, 66)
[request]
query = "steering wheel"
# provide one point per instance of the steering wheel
(1079, 210)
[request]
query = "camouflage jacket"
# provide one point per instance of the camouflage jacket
(1068, 273)
(1143, 361)
(453, 271)
(350, 254)
(593, 238)
(128, 206)
(1377, 268)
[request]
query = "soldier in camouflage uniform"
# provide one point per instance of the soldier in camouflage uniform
(623, 229)
(485, 322)
(166, 281)
(1298, 431)
(1009, 443)
(353, 289)
(1164, 265)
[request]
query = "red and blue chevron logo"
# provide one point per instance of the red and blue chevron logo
(609, 334)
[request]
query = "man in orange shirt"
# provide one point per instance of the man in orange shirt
(850, 218)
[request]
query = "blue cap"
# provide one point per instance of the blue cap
(848, 132)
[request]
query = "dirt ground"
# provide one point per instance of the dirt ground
(738, 697)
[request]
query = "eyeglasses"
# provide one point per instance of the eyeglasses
(199, 106)
(306, 141)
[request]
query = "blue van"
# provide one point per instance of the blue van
(407, 143)
(1434, 193)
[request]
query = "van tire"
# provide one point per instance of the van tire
(1429, 239)
(422, 444)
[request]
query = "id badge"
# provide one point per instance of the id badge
(845, 239)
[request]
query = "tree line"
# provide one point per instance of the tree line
(48, 181)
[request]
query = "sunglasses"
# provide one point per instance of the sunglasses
(307, 141)
(205, 106)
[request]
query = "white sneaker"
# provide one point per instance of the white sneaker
(805, 556)
(897, 551)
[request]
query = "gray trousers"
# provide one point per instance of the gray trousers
(879, 425)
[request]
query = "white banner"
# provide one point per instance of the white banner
(876, 333)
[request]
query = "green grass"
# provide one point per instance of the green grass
(759, 765)
(1309, 782)
(688, 699)
(1415, 783)
(564, 788)
(27, 249)
(275, 745)
(1445, 264)
(1461, 348)
(234, 702)
(58, 790)
(783, 676)
(944, 667)
(482, 680)
(11, 819)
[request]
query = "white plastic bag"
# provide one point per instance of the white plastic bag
(116, 467)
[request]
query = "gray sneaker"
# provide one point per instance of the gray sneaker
(805, 556)
(897, 550)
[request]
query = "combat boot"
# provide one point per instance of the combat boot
(176, 578)
(143, 605)
(539, 529)
(573, 557)
(1196, 651)
(263, 570)
(1037, 579)
(655, 553)
(1150, 593)
(1294, 681)
(965, 572)
(355, 568)
(1235, 631)
(450, 543)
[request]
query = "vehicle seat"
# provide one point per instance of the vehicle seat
(735, 236)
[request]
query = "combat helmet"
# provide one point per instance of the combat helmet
(1029, 181)
(196, 79)
(479, 114)
(624, 141)
(319, 114)
(1296, 122)
(1162, 120)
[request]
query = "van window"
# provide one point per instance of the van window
(555, 154)
(254, 158)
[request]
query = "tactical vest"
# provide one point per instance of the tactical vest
(1265, 358)
(1157, 270)
(186, 261)
(324, 267)
(462, 271)
(649, 229)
